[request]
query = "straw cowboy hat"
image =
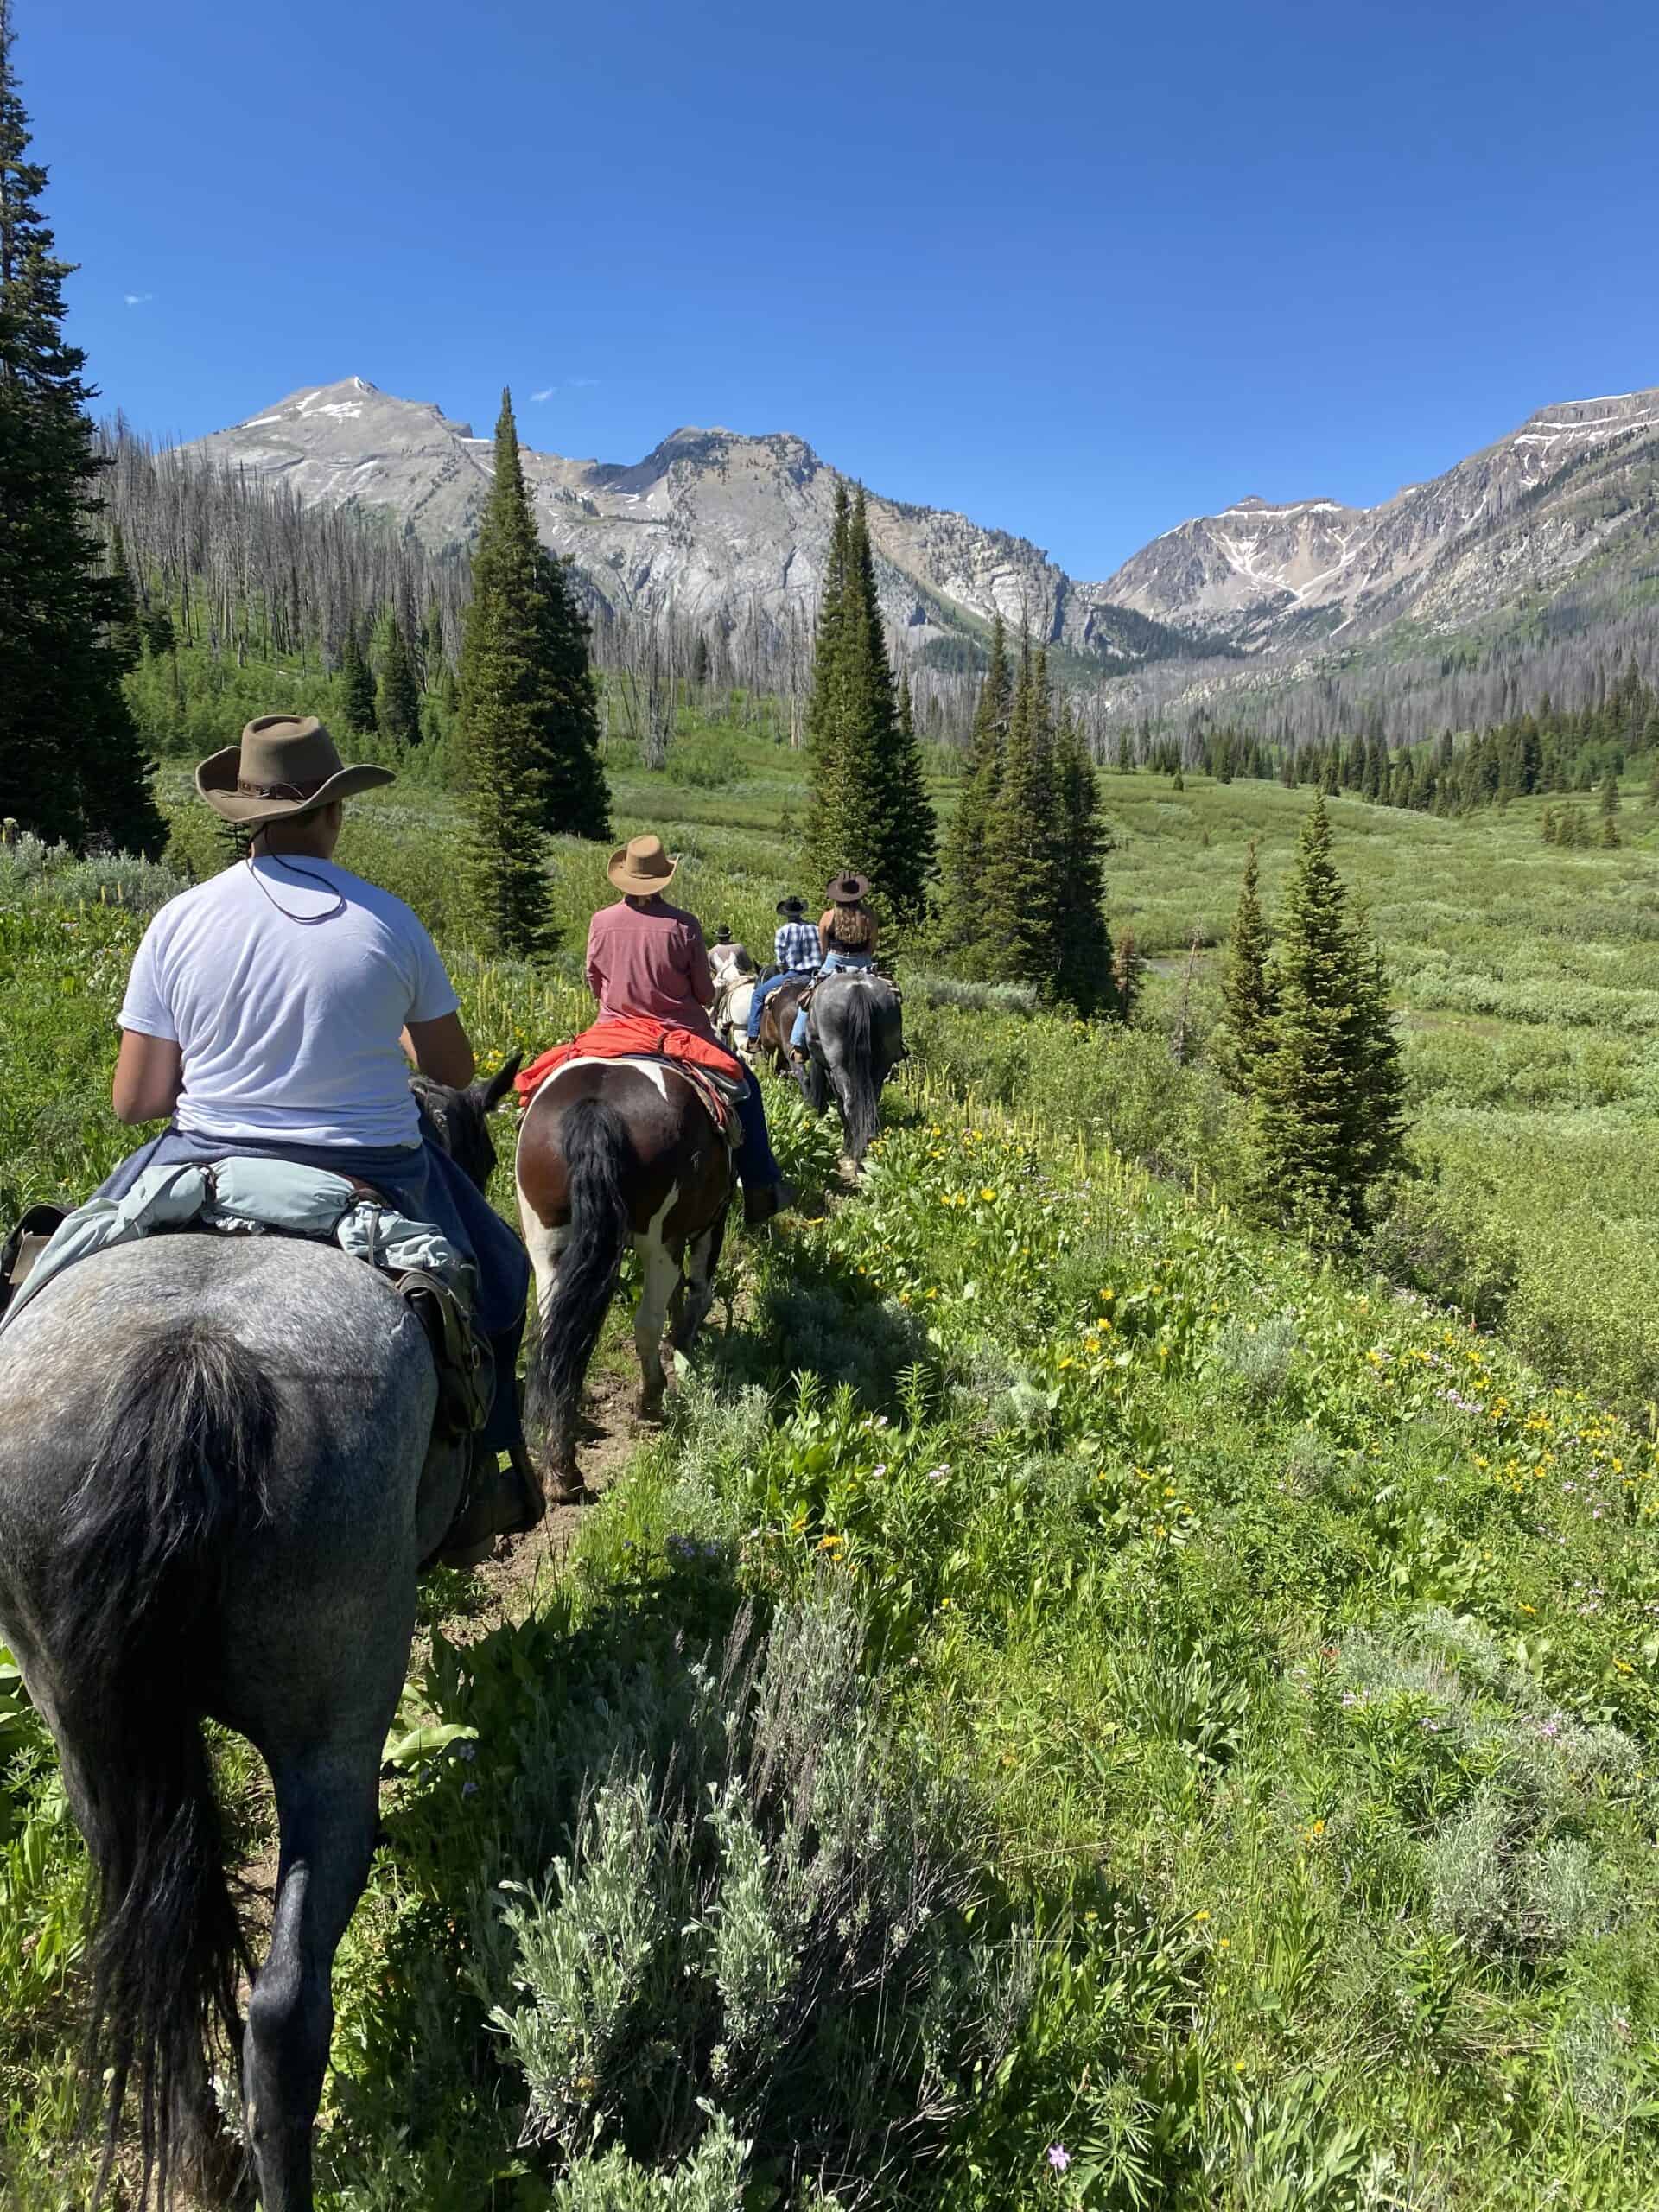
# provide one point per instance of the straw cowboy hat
(847, 890)
(641, 867)
(284, 764)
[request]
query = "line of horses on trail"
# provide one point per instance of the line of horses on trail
(219, 1480)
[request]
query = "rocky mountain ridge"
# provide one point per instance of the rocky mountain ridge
(711, 523)
(724, 528)
(1516, 520)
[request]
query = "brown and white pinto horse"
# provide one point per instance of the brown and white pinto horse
(610, 1153)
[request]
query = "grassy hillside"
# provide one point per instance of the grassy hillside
(1197, 1746)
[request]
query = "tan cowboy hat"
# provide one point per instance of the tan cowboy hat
(283, 765)
(641, 866)
(847, 890)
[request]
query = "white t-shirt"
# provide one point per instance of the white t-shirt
(285, 998)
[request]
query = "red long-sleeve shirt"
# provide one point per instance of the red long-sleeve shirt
(647, 957)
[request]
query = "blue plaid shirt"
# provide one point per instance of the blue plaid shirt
(796, 947)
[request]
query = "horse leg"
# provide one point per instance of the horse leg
(702, 1258)
(661, 1270)
(544, 1245)
(328, 1808)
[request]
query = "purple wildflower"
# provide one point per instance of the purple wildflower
(1059, 2156)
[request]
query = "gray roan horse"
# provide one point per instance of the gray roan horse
(214, 1496)
(856, 1039)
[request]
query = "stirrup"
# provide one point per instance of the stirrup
(493, 1504)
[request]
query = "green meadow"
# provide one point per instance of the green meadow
(1086, 1703)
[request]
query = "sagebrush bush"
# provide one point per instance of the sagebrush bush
(771, 1925)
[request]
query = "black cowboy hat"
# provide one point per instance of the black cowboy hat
(792, 909)
(847, 890)
(723, 934)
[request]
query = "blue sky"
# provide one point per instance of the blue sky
(1080, 273)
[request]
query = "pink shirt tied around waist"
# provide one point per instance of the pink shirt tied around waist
(649, 958)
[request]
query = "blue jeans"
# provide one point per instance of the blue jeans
(426, 1183)
(834, 962)
(756, 1164)
(762, 990)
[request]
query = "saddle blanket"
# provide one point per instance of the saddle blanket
(252, 1195)
(717, 1093)
(719, 1080)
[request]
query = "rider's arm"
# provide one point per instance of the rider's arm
(149, 1076)
(440, 1049)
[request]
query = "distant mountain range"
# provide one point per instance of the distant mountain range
(716, 526)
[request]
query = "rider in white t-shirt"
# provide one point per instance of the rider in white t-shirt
(275, 1010)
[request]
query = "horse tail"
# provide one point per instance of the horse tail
(595, 1141)
(861, 1093)
(179, 1476)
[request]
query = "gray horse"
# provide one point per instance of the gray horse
(215, 1492)
(856, 1039)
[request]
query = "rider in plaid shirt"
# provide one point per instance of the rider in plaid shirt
(796, 951)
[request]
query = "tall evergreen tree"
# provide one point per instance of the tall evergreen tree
(869, 809)
(575, 799)
(965, 851)
(1023, 888)
(912, 857)
(825, 763)
(357, 684)
(398, 695)
(125, 633)
(71, 763)
(1329, 1093)
(500, 716)
(1083, 944)
(1248, 999)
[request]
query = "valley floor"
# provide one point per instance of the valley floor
(1082, 1705)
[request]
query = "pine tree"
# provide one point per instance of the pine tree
(357, 685)
(912, 862)
(1247, 992)
(125, 633)
(964, 852)
(1128, 973)
(1609, 796)
(1023, 889)
(825, 765)
(869, 810)
(432, 653)
(576, 800)
(1125, 756)
(1083, 947)
(71, 763)
(1610, 837)
(398, 695)
(1329, 1092)
(500, 719)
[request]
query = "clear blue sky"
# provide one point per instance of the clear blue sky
(1078, 270)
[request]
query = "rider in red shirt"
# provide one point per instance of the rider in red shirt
(646, 957)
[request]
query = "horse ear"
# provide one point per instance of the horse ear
(500, 1082)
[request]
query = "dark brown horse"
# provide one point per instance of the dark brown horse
(612, 1152)
(777, 1014)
